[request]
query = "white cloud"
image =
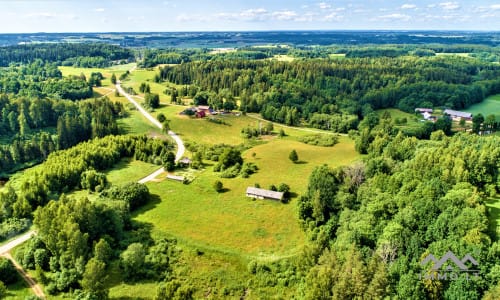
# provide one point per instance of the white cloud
(284, 15)
(192, 18)
(449, 5)
(334, 17)
(408, 6)
(254, 14)
(324, 5)
(395, 17)
(45, 15)
(495, 6)
(100, 9)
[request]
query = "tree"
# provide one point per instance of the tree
(230, 157)
(132, 260)
(161, 117)
(8, 273)
(218, 186)
(169, 163)
(94, 277)
(103, 251)
(477, 121)
(165, 125)
(113, 78)
(294, 157)
(152, 100)
(282, 133)
(174, 95)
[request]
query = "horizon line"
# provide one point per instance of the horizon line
(261, 30)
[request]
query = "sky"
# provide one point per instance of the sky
(236, 15)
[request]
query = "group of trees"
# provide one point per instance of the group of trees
(27, 124)
(67, 170)
(74, 54)
(77, 238)
(380, 218)
(287, 92)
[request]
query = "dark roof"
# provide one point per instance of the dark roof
(264, 193)
(457, 113)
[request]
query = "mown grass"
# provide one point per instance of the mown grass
(229, 221)
(106, 72)
(412, 119)
(490, 105)
(18, 290)
(130, 170)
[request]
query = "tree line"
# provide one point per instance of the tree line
(287, 92)
(74, 54)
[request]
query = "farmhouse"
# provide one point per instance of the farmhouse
(257, 193)
(457, 115)
(427, 116)
(424, 110)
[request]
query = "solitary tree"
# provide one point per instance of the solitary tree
(218, 186)
(113, 78)
(477, 120)
(293, 156)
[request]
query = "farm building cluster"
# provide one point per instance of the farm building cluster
(455, 115)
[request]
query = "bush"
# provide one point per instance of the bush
(218, 186)
(231, 172)
(161, 117)
(294, 157)
(8, 273)
(13, 226)
(135, 194)
(324, 140)
(248, 169)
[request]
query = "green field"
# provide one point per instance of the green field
(490, 105)
(18, 290)
(413, 121)
(229, 221)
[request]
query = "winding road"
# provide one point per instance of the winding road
(180, 145)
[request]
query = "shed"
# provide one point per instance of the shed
(176, 178)
(257, 193)
(456, 115)
(424, 110)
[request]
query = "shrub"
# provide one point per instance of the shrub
(218, 186)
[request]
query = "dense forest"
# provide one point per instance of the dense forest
(345, 90)
(40, 114)
(79, 55)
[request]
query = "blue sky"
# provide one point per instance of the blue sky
(234, 15)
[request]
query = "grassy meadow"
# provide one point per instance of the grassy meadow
(490, 105)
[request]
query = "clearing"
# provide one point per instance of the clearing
(490, 105)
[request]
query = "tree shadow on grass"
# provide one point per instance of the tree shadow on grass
(152, 203)
(301, 162)
(224, 190)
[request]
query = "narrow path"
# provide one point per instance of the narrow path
(37, 289)
(180, 145)
(5, 252)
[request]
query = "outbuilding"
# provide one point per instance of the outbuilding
(257, 193)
